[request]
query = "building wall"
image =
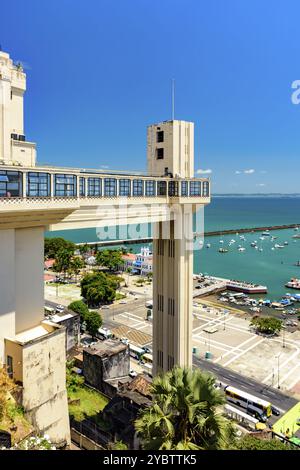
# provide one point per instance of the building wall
(15, 350)
(29, 271)
(178, 148)
(44, 381)
(12, 88)
(97, 369)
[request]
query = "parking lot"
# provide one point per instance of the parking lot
(229, 340)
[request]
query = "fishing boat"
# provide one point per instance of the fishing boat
(254, 244)
(208, 245)
(266, 233)
(286, 243)
(297, 235)
(278, 246)
(293, 283)
(241, 248)
(223, 250)
(297, 264)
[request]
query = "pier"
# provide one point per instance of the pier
(196, 234)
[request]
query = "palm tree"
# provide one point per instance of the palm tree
(187, 413)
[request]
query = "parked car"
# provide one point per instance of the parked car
(275, 411)
(59, 308)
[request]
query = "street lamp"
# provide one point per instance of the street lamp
(278, 384)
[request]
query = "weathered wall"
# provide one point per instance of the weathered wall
(96, 369)
(44, 382)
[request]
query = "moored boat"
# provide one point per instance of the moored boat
(293, 283)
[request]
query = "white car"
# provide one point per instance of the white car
(123, 302)
(105, 307)
(132, 373)
(59, 308)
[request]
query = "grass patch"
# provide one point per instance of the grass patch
(91, 403)
(120, 296)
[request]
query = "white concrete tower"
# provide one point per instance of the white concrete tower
(171, 150)
(14, 149)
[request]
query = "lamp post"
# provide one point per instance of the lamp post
(278, 384)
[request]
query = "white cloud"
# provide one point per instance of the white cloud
(261, 184)
(246, 172)
(263, 172)
(104, 167)
(204, 172)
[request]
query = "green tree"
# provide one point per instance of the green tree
(267, 325)
(118, 445)
(111, 259)
(99, 288)
(249, 442)
(77, 264)
(78, 306)
(63, 261)
(187, 413)
(84, 249)
(93, 322)
(53, 245)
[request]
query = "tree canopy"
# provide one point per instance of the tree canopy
(99, 288)
(53, 245)
(267, 325)
(186, 413)
(111, 259)
(249, 442)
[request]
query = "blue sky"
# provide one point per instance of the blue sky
(100, 71)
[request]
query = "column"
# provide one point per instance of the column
(7, 287)
(29, 277)
(173, 292)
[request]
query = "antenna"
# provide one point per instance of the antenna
(173, 99)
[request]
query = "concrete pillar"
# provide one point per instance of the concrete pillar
(173, 292)
(7, 287)
(29, 274)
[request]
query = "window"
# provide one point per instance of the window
(81, 186)
(160, 154)
(10, 183)
(150, 188)
(38, 184)
(184, 188)
(9, 366)
(205, 189)
(137, 187)
(173, 188)
(124, 187)
(195, 188)
(65, 185)
(94, 187)
(110, 187)
(159, 136)
(161, 188)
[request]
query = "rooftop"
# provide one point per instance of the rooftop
(108, 347)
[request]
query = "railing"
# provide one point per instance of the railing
(42, 184)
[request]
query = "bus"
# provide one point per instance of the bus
(242, 418)
(255, 406)
(136, 352)
(148, 358)
(49, 310)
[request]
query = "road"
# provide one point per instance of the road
(228, 377)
